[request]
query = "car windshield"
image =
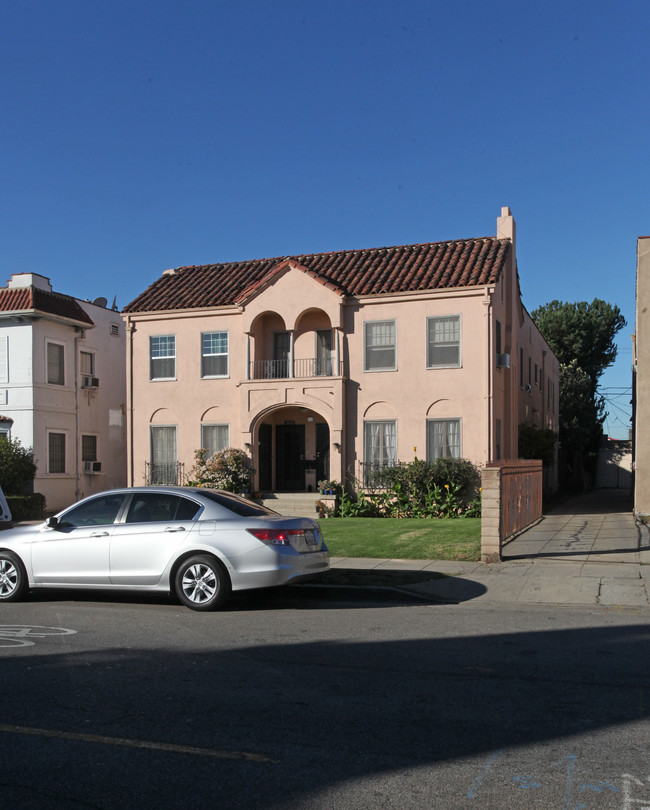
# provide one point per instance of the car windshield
(240, 506)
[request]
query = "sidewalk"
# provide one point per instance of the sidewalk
(589, 551)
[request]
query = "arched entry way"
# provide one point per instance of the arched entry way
(293, 447)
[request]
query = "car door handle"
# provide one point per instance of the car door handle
(99, 534)
(175, 529)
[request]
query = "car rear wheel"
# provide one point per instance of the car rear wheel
(13, 577)
(201, 583)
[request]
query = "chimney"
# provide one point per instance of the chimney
(507, 228)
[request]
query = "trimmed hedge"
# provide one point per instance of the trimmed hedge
(26, 507)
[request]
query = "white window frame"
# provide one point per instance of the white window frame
(169, 356)
(61, 346)
(386, 460)
(445, 344)
(205, 445)
(444, 421)
(381, 347)
(226, 354)
(51, 433)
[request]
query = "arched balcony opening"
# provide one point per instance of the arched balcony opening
(309, 349)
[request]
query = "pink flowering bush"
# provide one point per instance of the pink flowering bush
(228, 469)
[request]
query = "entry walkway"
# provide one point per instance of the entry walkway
(588, 551)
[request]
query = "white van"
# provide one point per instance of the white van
(5, 514)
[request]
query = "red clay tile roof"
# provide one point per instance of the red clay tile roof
(35, 300)
(409, 268)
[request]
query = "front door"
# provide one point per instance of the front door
(322, 451)
(290, 458)
(265, 457)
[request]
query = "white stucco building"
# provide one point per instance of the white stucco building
(63, 387)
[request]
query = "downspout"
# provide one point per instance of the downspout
(76, 418)
(130, 329)
(487, 302)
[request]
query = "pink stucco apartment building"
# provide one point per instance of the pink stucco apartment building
(331, 365)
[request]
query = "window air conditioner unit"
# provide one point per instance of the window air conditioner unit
(91, 467)
(89, 382)
(503, 361)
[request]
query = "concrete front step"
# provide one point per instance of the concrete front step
(295, 504)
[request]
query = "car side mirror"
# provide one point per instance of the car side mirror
(52, 523)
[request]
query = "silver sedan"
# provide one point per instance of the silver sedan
(199, 544)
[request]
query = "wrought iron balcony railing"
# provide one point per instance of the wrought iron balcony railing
(279, 369)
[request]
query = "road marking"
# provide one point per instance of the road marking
(123, 741)
(18, 635)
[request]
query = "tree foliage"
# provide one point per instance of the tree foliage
(582, 332)
(536, 442)
(582, 337)
(17, 467)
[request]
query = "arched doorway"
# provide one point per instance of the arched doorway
(293, 450)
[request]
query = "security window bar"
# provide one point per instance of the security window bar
(443, 342)
(163, 357)
(380, 346)
(214, 354)
(56, 453)
(89, 448)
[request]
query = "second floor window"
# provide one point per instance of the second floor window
(87, 363)
(55, 364)
(379, 346)
(443, 342)
(214, 354)
(162, 357)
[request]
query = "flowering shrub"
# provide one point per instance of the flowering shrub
(446, 487)
(228, 469)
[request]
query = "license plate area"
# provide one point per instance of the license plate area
(310, 537)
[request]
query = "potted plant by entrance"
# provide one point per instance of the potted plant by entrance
(326, 487)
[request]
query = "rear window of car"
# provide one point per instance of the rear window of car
(240, 506)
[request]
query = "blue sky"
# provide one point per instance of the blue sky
(140, 135)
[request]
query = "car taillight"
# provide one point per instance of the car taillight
(276, 537)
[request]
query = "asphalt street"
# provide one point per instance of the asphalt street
(315, 699)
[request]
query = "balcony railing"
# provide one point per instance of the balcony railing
(168, 474)
(279, 369)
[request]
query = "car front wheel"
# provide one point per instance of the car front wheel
(201, 583)
(13, 577)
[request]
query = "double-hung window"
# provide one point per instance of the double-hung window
(214, 438)
(55, 364)
(380, 346)
(162, 357)
(380, 448)
(443, 438)
(443, 342)
(214, 354)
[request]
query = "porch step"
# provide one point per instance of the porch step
(294, 504)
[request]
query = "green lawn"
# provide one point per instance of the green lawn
(404, 539)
